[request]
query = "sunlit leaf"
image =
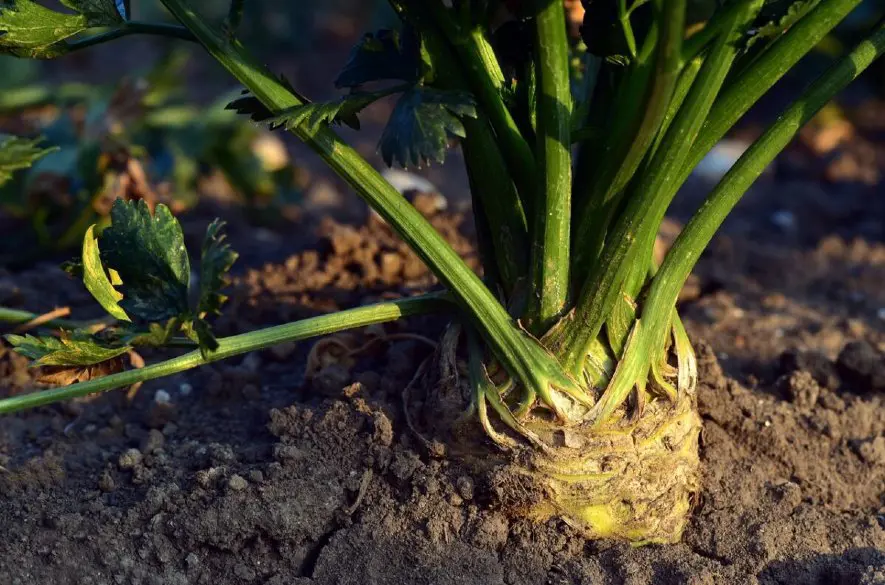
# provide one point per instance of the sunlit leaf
(148, 253)
(67, 350)
(28, 29)
(96, 279)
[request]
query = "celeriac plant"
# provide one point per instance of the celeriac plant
(579, 365)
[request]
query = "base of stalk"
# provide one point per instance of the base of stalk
(633, 479)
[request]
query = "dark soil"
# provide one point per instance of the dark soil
(247, 472)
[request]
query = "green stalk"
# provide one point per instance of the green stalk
(651, 330)
(648, 200)
(630, 140)
(486, 81)
(487, 173)
(523, 356)
(552, 213)
(742, 92)
(132, 28)
(235, 345)
(17, 317)
(696, 43)
(623, 315)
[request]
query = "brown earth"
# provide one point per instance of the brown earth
(249, 473)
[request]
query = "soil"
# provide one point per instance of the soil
(296, 467)
(249, 472)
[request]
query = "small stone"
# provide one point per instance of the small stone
(130, 459)
(185, 389)
(220, 454)
(465, 487)
(106, 482)
(207, 477)
(800, 388)
(821, 368)
(251, 363)
(287, 453)
(154, 441)
(162, 397)
(862, 367)
(383, 434)
(787, 495)
(255, 476)
(784, 219)
(237, 483)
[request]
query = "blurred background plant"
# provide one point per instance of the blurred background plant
(162, 131)
(139, 138)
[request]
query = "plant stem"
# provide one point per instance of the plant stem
(488, 174)
(522, 355)
(653, 77)
(693, 45)
(742, 92)
(133, 28)
(651, 195)
(236, 345)
(552, 211)
(17, 317)
(484, 77)
(651, 329)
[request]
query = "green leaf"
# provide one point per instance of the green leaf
(421, 123)
(217, 259)
(315, 114)
(97, 12)
(384, 55)
(205, 338)
(250, 105)
(148, 253)
(28, 29)
(19, 153)
(776, 18)
(156, 334)
(96, 279)
(605, 34)
(64, 351)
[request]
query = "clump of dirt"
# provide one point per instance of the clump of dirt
(346, 265)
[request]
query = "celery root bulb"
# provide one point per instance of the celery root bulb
(631, 480)
(634, 478)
